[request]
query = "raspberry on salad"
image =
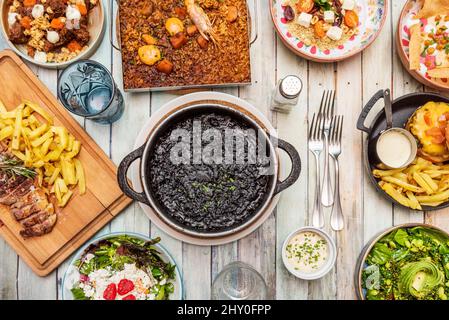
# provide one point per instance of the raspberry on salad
(111, 292)
(129, 297)
(125, 286)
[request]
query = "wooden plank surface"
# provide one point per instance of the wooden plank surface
(366, 212)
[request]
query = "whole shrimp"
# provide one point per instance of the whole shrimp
(201, 21)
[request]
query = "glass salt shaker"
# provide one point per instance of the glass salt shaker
(286, 94)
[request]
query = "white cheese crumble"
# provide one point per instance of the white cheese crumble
(335, 33)
(305, 19)
(329, 16)
(348, 5)
(100, 279)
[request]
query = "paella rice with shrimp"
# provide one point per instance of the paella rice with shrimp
(179, 43)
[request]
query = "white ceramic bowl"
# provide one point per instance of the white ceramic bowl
(96, 28)
(71, 276)
(319, 273)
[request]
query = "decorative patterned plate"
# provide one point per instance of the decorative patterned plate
(406, 20)
(372, 14)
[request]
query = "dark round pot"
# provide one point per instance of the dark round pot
(143, 153)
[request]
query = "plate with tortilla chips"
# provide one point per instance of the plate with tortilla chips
(423, 41)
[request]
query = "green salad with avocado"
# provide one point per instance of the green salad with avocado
(408, 264)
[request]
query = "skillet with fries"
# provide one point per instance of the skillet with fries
(424, 183)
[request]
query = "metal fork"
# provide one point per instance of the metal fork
(316, 145)
(337, 219)
(327, 110)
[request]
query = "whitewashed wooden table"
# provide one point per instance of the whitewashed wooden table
(366, 213)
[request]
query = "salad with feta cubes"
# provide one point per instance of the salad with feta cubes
(326, 24)
(123, 267)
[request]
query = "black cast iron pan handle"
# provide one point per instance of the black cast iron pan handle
(296, 165)
(371, 103)
(123, 180)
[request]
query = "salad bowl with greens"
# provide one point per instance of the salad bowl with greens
(122, 266)
(408, 262)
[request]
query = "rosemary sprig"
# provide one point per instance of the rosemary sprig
(14, 167)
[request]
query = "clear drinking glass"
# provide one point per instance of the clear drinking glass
(87, 89)
(239, 281)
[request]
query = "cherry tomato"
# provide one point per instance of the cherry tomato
(319, 30)
(305, 5)
(129, 297)
(351, 19)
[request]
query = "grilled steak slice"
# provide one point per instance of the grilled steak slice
(29, 209)
(28, 203)
(15, 195)
(11, 184)
(41, 228)
(38, 217)
(32, 197)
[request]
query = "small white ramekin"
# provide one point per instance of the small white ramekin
(319, 273)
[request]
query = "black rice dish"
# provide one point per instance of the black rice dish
(207, 197)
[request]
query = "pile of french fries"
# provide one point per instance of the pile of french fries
(31, 136)
(423, 183)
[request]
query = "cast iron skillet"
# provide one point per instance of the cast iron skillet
(403, 108)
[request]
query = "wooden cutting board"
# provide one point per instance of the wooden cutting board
(84, 215)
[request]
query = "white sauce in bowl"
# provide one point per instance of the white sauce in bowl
(307, 252)
(394, 149)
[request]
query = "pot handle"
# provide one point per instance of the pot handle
(296, 165)
(366, 109)
(123, 180)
